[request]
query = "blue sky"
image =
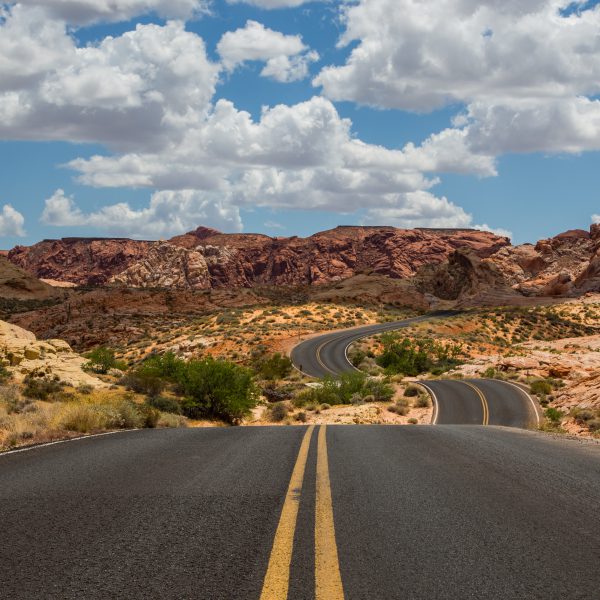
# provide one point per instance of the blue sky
(503, 131)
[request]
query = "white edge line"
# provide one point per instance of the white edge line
(75, 439)
(436, 410)
(526, 394)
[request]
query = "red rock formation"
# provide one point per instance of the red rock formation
(208, 258)
(84, 261)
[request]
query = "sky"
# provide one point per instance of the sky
(149, 118)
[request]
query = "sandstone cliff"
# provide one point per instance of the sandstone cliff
(22, 354)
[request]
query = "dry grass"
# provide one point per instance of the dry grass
(73, 413)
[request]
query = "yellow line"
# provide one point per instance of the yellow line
(486, 410)
(277, 579)
(319, 356)
(328, 580)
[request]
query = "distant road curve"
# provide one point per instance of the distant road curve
(327, 354)
(457, 402)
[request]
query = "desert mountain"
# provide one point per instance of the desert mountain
(460, 266)
(206, 258)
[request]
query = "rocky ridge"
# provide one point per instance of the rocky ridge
(206, 258)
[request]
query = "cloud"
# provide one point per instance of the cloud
(83, 12)
(11, 222)
(595, 218)
(141, 89)
(526, 72)
(423, 209)
(168, 213)
(301, 155)
(148, 95)
(286, 56)
(269, 4)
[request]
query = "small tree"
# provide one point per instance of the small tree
(102, 360)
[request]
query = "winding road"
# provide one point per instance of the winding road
(310, 512)
(464, 402)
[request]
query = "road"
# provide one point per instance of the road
(346, 512)
(471, 402)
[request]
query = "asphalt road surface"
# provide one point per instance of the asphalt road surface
(472, 402)
(354, 512)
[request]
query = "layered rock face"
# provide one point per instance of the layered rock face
(206, 258)
(84, 261)
(22, 354)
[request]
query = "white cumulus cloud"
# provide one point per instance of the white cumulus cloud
(595, 218)
(81, 12)
(526, 71)
(269, 4)
(286, 56)
(168, 213)
(11, 222)
(140, 89)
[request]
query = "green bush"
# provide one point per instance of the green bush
(422, 401)
(144, 380)
(210, 388)
(541, 387)
(102, 360)
(41, 388)
(168, 405)
(554, 415)
(411, 391)
(412, 357)
(274, 367)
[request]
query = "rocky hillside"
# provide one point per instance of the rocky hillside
(206, 258)
(18, 284)
(567, 265)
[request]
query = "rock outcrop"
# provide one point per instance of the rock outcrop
(23, 354)
(83, 261)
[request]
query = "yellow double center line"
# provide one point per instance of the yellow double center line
(484, 404)
(328, 580)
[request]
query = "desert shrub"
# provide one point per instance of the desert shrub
(357, 399)
(398, 409)
(150, 416)
(276, 366)
(278, 412)
(413, 421)
(210, 388)
(85, 389)
(277, 394)
(301, 417)
(144, 380)
(102, 360)
(164, 404)
(422, 401)
(594, 425)
(541, 387)
(82, 418)
(379, 389)
(4, 374)
(171, 420)
(411, 391)
(553, 415)
(41, 388)
(582, 415)
(325, 406)
(413, 357)
(10, 399)
(490, 373)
